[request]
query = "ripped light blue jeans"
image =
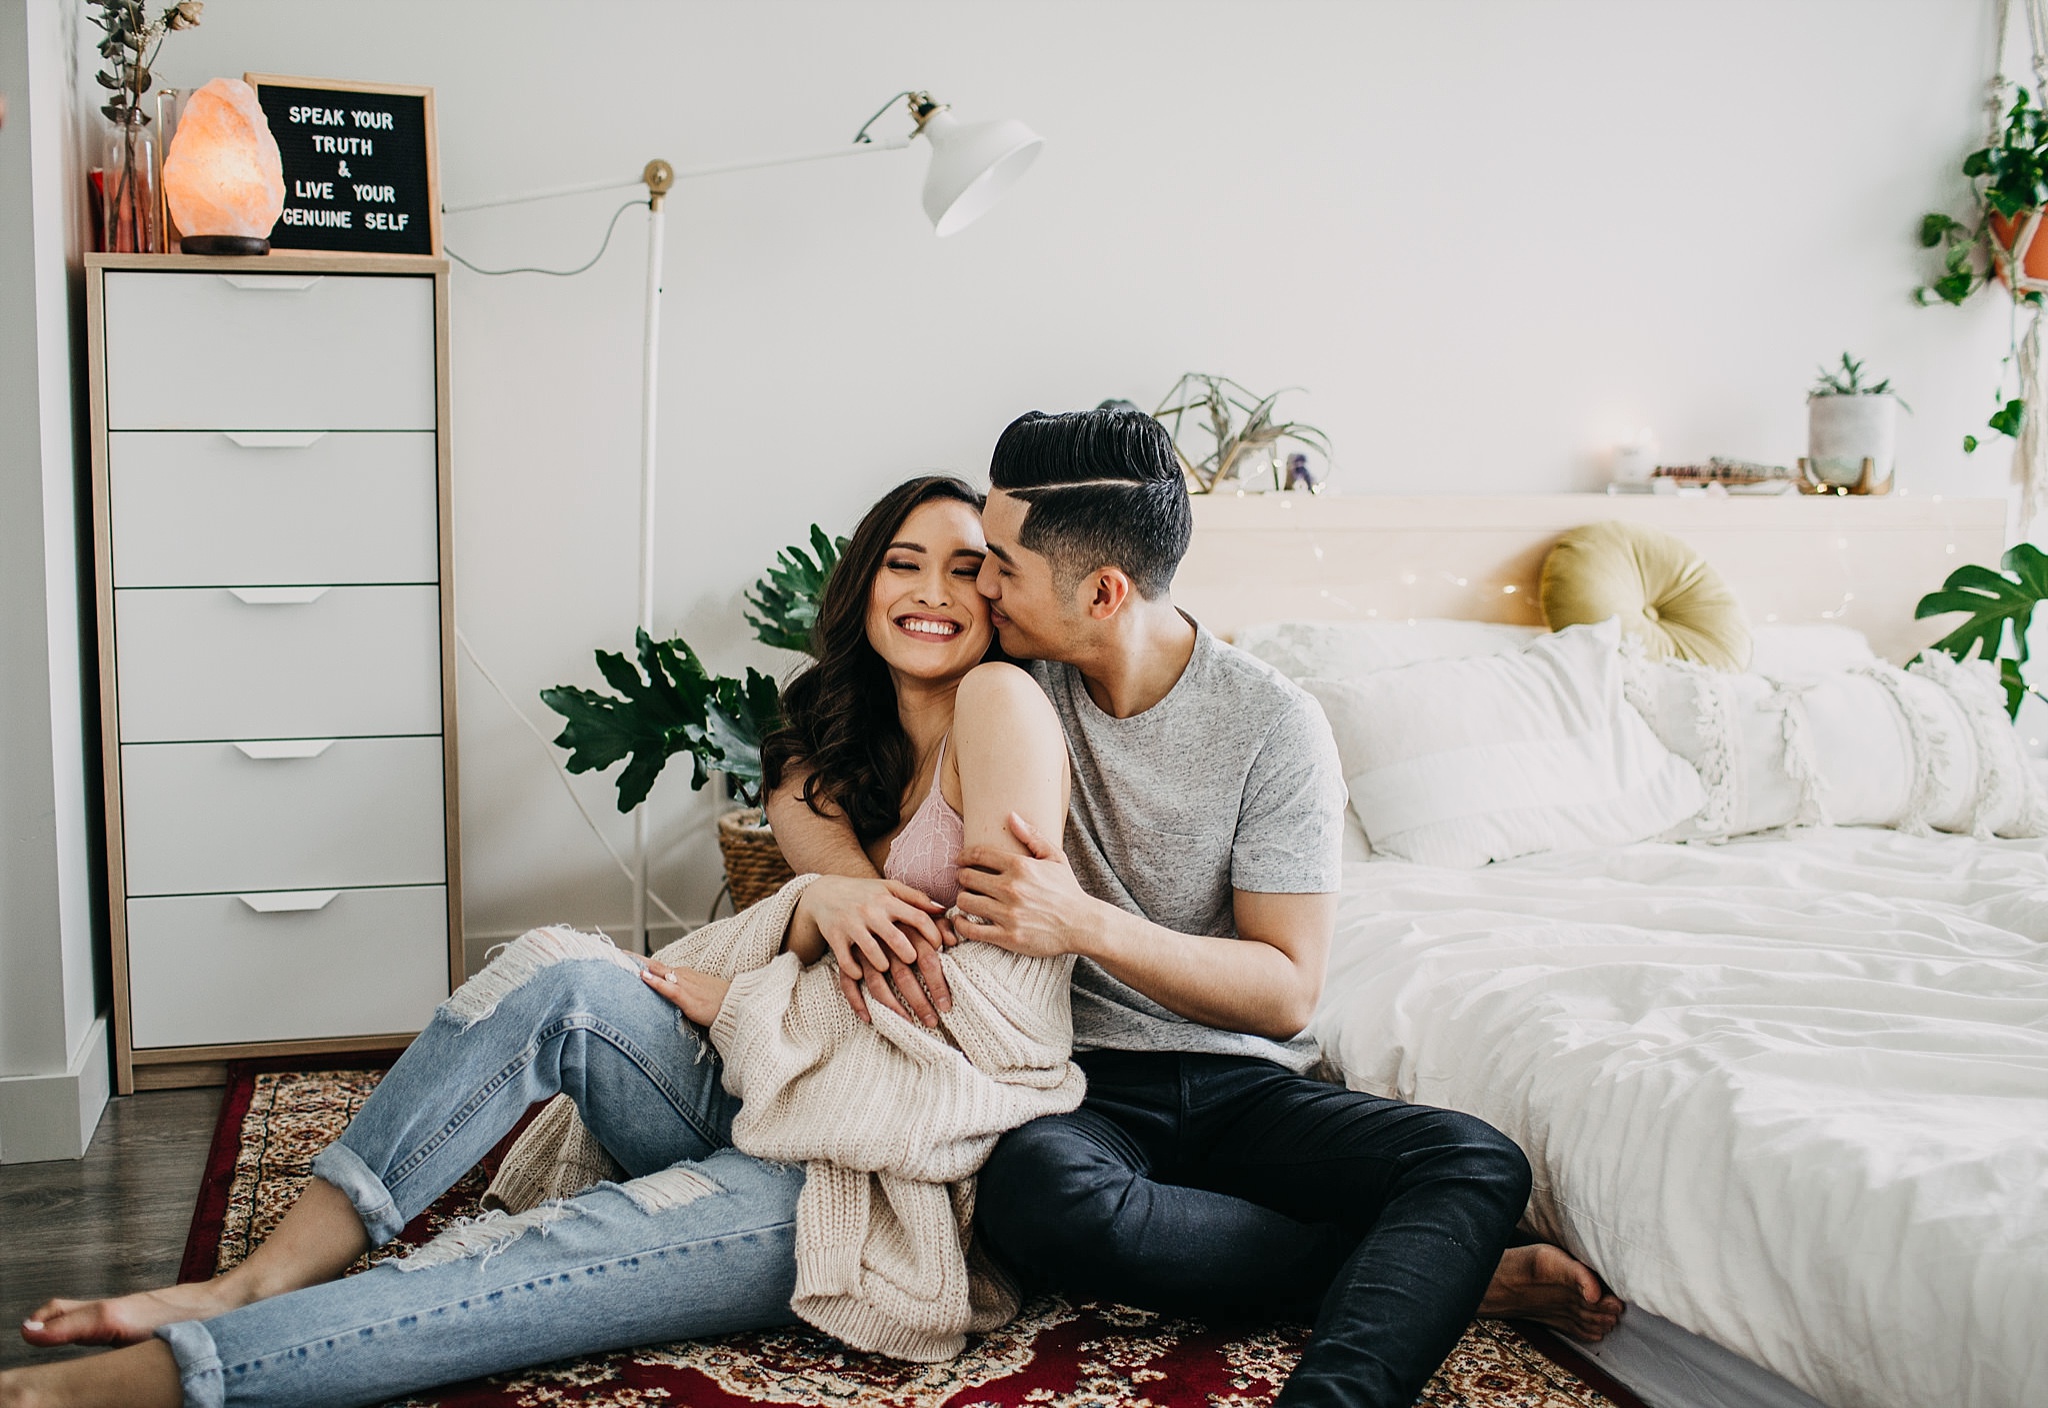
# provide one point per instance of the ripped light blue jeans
(701, 1240)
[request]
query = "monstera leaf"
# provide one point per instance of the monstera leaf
(1992, 600)
(787, 597)
(741, 714)
(662, 708)
(671, 704)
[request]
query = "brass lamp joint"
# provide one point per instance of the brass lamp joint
(660, 178)
(922, 106)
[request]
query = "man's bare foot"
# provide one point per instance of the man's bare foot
(127, 1319)
(1546, 1284)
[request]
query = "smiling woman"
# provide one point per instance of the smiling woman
(901, 608)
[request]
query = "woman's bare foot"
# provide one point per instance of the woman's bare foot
(140, 1376)
(315, 1241)
(129, 1319)
(1546, 1284)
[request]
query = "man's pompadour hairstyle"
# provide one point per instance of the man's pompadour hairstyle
(1102, 488)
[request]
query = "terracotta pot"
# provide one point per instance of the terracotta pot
(2034, 264)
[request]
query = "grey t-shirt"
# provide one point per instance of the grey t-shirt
(1229, 782)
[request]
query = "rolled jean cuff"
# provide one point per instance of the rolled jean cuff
(198, 1363)
(344, 1168)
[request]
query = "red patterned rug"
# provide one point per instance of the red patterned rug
(1054, 1355)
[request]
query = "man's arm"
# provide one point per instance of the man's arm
(824, 844)
(1269, 987)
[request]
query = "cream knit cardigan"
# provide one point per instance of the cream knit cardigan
(891, 1122)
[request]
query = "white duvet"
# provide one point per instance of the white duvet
(1790, 1093)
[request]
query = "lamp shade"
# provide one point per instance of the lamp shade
(223, 177)
(973, 164)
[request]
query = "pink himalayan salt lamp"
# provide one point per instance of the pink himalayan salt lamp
(223, 177)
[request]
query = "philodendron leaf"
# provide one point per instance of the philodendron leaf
(2015, 687)
(741, 714)
(1991, 600)
(661, 709)
(2008, 418)
(786, 598)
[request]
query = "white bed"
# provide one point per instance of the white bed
(1789, 1094)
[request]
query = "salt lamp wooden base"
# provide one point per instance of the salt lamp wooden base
(223, 244)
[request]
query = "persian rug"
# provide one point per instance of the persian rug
(1056, 1354)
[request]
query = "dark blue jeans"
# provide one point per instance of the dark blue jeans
(1229, 1186)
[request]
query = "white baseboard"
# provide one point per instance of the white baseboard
(53, 1116)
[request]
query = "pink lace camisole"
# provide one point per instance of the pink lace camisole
(926, 852)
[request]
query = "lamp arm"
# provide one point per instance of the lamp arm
(886, 144)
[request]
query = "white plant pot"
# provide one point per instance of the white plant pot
(1843, 431)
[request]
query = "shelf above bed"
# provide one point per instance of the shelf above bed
(1860, 562)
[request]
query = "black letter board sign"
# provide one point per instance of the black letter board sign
(359, 172)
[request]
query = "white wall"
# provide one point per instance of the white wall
(53, 1041)
(1488, 238)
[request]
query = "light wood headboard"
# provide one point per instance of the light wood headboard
(1862, 562)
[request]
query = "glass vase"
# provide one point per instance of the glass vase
(128, 189)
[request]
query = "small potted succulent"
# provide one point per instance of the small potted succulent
(668, 703)
(1852, 432)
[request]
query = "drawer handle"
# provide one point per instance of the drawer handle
(277, 283)
(274, 439)
(277, 596)
(288, 901)
(286, 747)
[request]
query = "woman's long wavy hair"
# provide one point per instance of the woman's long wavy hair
(839, 716)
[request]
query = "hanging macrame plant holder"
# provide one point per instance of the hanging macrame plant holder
(2019, 256)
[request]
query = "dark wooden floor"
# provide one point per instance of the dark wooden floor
(111, 1222)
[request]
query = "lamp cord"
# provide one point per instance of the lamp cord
(556, 273)
(862, 135)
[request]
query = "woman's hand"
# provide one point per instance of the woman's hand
(700, 995)
(870, 927)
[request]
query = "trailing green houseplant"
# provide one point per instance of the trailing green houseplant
(1242, 433)
(2000, 606)
(668, 703)
(2009, 180)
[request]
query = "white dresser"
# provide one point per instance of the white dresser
(270, 501)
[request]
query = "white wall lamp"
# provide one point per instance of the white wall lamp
(973, 164)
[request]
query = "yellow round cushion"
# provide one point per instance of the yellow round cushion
(1665, 593)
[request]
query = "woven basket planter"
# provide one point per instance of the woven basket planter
(754, 867)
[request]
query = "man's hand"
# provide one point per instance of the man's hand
(886, 940)
(1029, 904)
(700, 995)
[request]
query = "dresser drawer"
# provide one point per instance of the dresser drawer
(205, 663)
(208, 969)
(204, 817)
(257, 508)
(204, 351)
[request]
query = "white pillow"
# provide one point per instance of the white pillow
(1805, 652)
(1342, 650)
(1872, 745)
(1461, 762)
(1727, 727)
